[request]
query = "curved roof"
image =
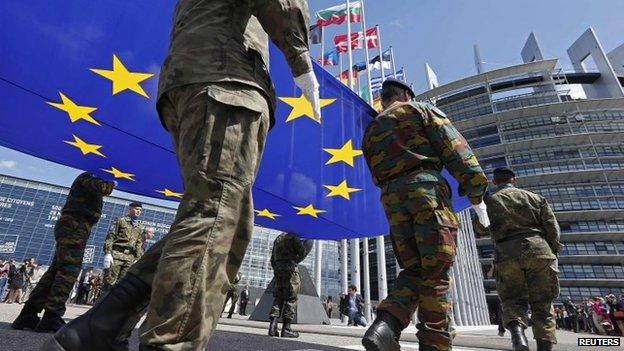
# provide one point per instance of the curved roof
(535, 66)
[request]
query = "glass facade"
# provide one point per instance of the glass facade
(29, 210)
(581, 139)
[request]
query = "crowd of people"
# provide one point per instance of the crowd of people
(17, 281)
(597, 315)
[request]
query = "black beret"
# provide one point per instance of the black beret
(136, 204)
(398, 83)
(504, 170)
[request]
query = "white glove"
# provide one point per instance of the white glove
(108, 260)
(481, 211)
(310, 87)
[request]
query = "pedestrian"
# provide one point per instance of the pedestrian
(406, 146)
(5, 268)
(81, 212)
(123, 245)
(570, 308)
(232, 295)
(618, 314)
(16, 284)
(329, 306)
(244, 300)
(526, 236)
(288, 251)
(341, 304)
(354, 306)
(85, 286)
(148, 235)
(216, 99)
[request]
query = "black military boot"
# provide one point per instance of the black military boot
(383, 334)
(273, 327)
(50, 323)
(287, 331)
(544, 345)
(27, 319)
(109, 323)
(518, 339)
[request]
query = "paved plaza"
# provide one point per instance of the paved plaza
(239, 334)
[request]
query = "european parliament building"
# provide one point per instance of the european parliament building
(30, 209)
(562, 132)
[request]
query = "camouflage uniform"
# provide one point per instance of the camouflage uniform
(406, 147)
(216, 100)
(123, 242)
(526, 234)
(288, 252)
(82, 210)
(232, 294)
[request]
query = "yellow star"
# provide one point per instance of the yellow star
(119, 174)
(266, 213)
(345, 154)
(74, 111)
(170, 193)
(84, 147)
(308, 210)
(341, 189)
(122, 78)
(302, 107)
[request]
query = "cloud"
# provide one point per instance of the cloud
(8, 164)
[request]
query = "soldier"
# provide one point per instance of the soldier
(232, 295)
(80, 213)
(123, 245)
(217, 101)
(406, 147)
(526, 236)
(288, 251)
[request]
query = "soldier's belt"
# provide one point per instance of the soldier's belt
(517, 236)
(421, 168)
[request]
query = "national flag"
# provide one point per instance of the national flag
(375, 63)
(344, 77)
(315, 34)
(360, 66)
(329, 58)
(357, 40)
(376, 81)
(338, 14)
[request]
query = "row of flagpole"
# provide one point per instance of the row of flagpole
(329, 18)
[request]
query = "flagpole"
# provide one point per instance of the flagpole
(404, 75)
(368, 73)
(383, 77)
(391, 58)
(340, 63)
(349, 47)
(322, 46)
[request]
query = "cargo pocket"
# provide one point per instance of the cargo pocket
(447, 226)
(553, 270)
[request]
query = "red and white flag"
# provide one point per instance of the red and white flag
(357, 40)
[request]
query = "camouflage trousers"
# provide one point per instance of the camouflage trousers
(116, 271)
(524, 282)
(233, 296)
(287, 284)
(218, 147)
(423, 230)
(54, 287)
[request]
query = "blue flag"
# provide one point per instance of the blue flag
(78, 81)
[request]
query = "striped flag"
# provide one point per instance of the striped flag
(329, 58)
(316, 33)
(338, 14)
(357, 40)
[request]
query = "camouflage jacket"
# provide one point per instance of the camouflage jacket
(289, 250)
(226, 41)
(413, 137)
(124, 239)
(85, 197)
(514, 211)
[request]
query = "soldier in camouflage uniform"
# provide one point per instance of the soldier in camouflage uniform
(123, 245)
(526, 237)
(288, 251)
(232, 295)
(216, 99)
(81, 212)
(406, 147)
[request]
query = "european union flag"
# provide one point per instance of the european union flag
(78, 80)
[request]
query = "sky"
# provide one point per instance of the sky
(439, 32)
